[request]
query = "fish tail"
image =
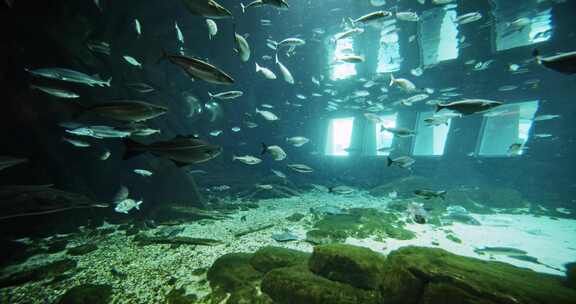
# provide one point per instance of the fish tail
(234, 157)
(382, 128)
(210, 95)
(392, 80)
(132, 148)
(390, 162)
(439, 107)
(264, 149)
(109, 81)
(243, 7)
(257, 67)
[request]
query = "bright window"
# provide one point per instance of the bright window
(339, 136)
(430, 139)
(505, 126)
(384, 140)
(389, 53)
(439, 35)
(342, 70)
(520, 23)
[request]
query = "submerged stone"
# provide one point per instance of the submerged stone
(319, 237)
(179, 296)
(82, 249)
(268, 258)
(285, 237)
(38, 273)
(87, 294)
(296, 217)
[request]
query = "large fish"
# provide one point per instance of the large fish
(9, 161)
(207, 8)
(181, 150)
(469, 106)
(242, 47)
(281, 4)
(126, 110)
(196, 68)
(564, 63)
(70, 76)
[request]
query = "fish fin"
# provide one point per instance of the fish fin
(536, 54)
(243, 7)
(131, 148)
(109, 81)
(234, 157)
(439, 107)
(122, 194)
(390, 162)
(392, 80)
(382, 128)
(257, 67)
(264, 149)
(138, 205)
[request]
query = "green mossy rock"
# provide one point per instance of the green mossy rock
(38, 273)
(431, 275)
(291, 285)
(319, 237)
(454, 238)
(268, 258)
(87, 294)
(365, 222)
(404, 186)
(357, 266)
(296, 217)
(81, 250)
(178, 296)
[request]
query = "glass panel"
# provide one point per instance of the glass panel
(389, 53)
(505, 126)
(430, 139)
(439, 35)
(384, 140)
(520, 23)
(342, 70)
(339, 136)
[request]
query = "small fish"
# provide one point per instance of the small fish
(215, 133)
(429, 194)
(343, 190)
(507, 88)
(346, 34)
(140, 87)
(407, 16)
(9, 161)
(179, 34)
(60, 93)
(400, 132)
(251, 125)
(138, 27)
(285, 72)
(264, 186)
(301, 168)
(405, 84)
(196, 68)
(267, 115)
(277, 152)
(405, 162)
(76, 142)
(242, 48)
(235, 129)
(297, 141)
(131, 60)
(105, 155)
(351, 58)
(267, 73)
(70, 76)
(226, 95)
(247, 159)
(212, 28)
(126, 205)
(545, 117)
(468, 18)
(372, 17)
(278, 173)
(208, 9)
(143, 172)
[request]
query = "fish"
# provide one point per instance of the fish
(281, 4)
(301, 168)
(506, 251)
(105, 155)
(99, 132)
(430, 194)
(251, 125)
(138, 27)
(242, 47)
(212, 28)
(278, 173)
(297, 141)
(267, 115)
(140, 87)
(60, 93)
(179, 34)
(545, 117)
(215, 133)
(469, 106)
(407, 16)
(10, 161)
(417, 212)
(247, 159)
(373, 117)
(207, 8)
(125, 110)
(400, 132)
(182, 150)
(285, 72)
(76, 143)
(123, 203)
(405, 162)
(235, 129)
(70, 76)
(277, 152)
(404, 84)
(290, 42)
(267, 73)
(437, 120)
(507, 88)
(371, 17)
(468, 18)
(132, 61)
(196, 68)
(350, 58)
(516, 149)
(564, 63)
(226, 95)
(143, 172)
(101, 47)
(32, 200)
(346, 34)
(341, 190)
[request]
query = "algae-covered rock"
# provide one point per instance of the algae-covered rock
(81, 249)
(268, 258)
(357, 266)
(319, 237)
(364, 223)
(38, 273)
(179, 296)
(454, 238)
(404, 186)
(87, 294)
(296, 217)
(432, 275)
(297, 284)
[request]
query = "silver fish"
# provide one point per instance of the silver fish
(70, 76)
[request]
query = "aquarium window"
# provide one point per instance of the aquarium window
(384, 140)
(430, 140)
(504, 126)
(438, 34)
(342, 70)
(389, 53)
(339, 136)
(520, 23)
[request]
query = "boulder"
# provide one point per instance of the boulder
(38, 273)
(319, 237)
(356, 266)
(87, 294)
(268, 258)
(81, 249)
(404, 186)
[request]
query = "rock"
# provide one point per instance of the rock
(319, 237)
(87, 294)
(296, 217)
(285, 237)
(57, 246)
(404, 186)
(82, 249)
(178, 296)
(297, 284)
(356, 266)
(571, 275)
(432, 275)
(143, 239)
(268, 258)
(454, 238)
(38, 273)
(331, 210)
